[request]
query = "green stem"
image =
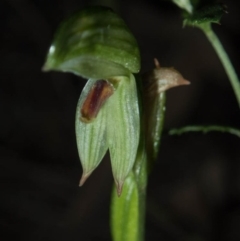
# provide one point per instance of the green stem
(205, 129)
(140, 172)
(212, 37)
(127, 212)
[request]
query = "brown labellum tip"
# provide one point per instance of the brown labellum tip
(84, 178)
(119, 188)
(45, 68)
(183, 82)
(156, 62)
(95, 99)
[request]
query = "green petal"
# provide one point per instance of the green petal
(94, 43)
(123, 128)
(91, 137)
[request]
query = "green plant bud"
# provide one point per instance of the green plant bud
(156, 82)
(94, 43)
(123, 128)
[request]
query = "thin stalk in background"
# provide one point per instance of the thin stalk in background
(205, 129)
(202, 18)
(231, 73)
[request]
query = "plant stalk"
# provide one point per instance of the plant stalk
(212, 37)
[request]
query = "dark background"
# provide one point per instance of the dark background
(194, 189)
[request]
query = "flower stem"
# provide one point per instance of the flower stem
(212, 37)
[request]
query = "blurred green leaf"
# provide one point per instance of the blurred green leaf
(208, 14)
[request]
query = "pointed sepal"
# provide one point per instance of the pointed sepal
(123, 128)
(91, 136)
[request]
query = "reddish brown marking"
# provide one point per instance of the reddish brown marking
(96, 97)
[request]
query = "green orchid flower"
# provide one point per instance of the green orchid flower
(96, 44)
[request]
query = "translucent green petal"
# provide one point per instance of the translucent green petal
(91, 137)
(123, 128)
